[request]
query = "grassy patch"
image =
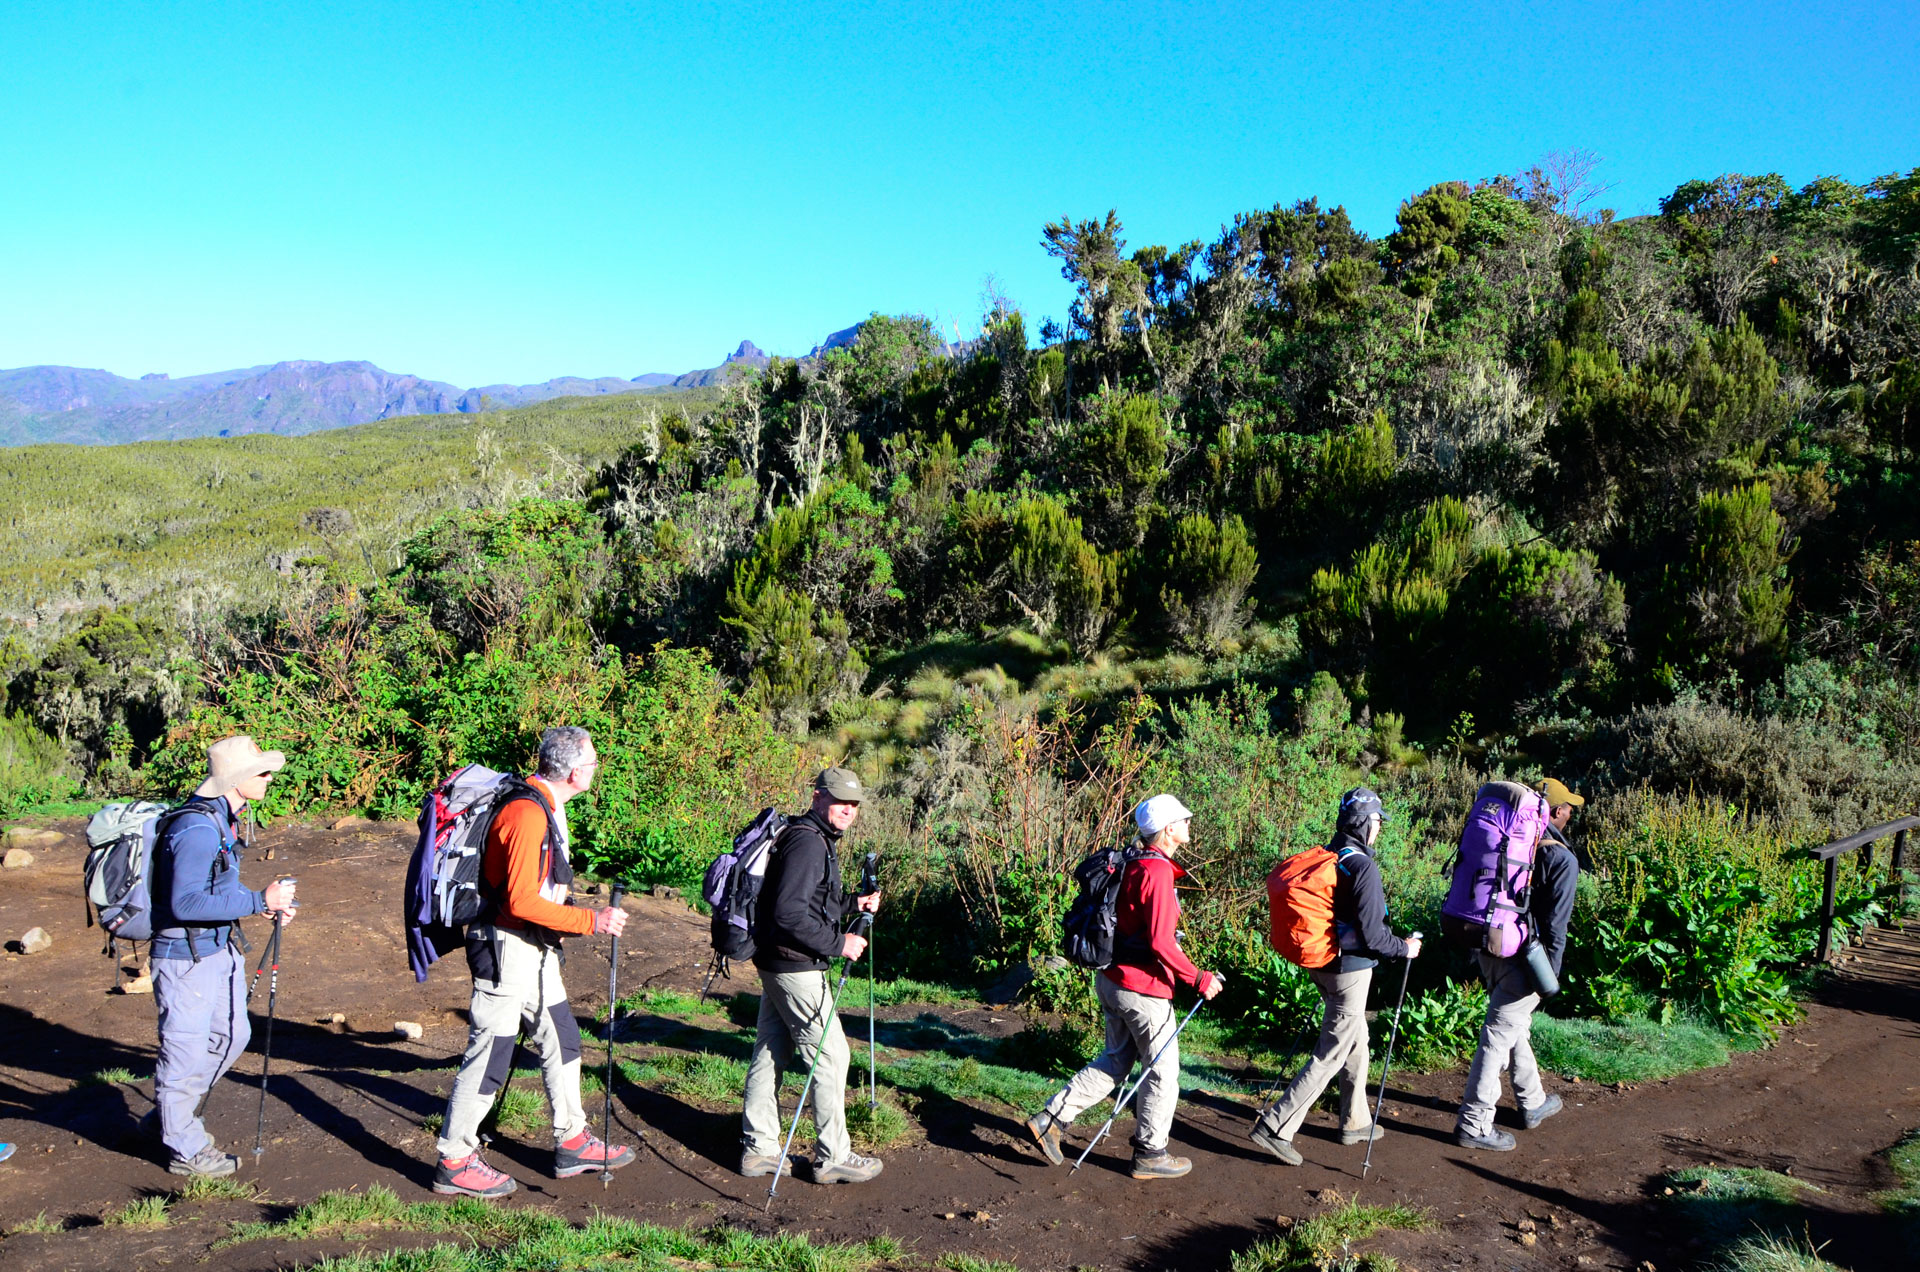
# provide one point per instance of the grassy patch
(1773, 1254)
(973, 1263)
(1724, 1203)
(1904, 1157)
(148, 1212)
(908, 992)
(109, 1077)
(1314, 1244)
(1638, 1051)
(498, 1239)
(208, 1188)
(38, 1224)
(666, 1002)
(332, 1213)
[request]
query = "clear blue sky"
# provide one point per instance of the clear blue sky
(484, 192)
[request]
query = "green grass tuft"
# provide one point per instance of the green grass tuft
(1773, 1254)
(38, 1224)
(1313, 1245)
(109, 1077)
(146, 1213)
(208, 1188)
(974, 1263)
(1637, 1051)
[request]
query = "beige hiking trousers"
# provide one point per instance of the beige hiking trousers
(796, 1017)
(1340, 1051)
(528, 994)
(1137, 1028)
(1506, 1044)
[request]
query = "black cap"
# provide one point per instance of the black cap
(1359, 804)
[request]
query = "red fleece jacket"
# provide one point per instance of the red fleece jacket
(1147, 958)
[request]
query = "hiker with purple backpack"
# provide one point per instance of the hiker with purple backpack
(1510, 902)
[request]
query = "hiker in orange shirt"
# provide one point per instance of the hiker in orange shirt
(514, 953)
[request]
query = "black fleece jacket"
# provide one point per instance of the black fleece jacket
(1556, 877)
(802, 902)
(1360, 909)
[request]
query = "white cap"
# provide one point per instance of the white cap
(1156, 814)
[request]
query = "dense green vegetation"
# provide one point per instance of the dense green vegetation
(1516, 489)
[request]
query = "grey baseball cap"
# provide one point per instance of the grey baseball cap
(842, 784)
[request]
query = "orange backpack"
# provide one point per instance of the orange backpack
(1300, 907)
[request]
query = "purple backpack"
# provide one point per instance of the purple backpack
(1486, 907)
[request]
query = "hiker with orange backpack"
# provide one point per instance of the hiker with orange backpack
(1329, 916)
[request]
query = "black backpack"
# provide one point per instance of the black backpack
(1087, 933)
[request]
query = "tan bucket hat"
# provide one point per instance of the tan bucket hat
(232, 759)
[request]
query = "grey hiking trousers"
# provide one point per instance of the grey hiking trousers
(203, 1030)
(1138, 1026)
(1505, 1044)
(1340, 1051)
(795, 1019)
(528, 994)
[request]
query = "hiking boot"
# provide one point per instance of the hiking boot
(1271, 1141)
(1494, 1141)
(1160, 1165)
(1046, 1133)
(208, 1163)
(1365, 1135)
(585, 1152)
(471, 1177)
(1540, 1112)
(854, 1170)
(758, 1165)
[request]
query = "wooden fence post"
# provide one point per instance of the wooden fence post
(1826, 908)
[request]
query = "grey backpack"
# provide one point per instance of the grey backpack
(120, 867)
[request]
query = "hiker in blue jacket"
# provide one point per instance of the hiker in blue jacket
(199, 981)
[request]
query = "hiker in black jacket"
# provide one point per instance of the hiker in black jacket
(797, 930)
(1505, 1037)
(1361, 932)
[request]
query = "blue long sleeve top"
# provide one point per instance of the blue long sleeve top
(197, 893)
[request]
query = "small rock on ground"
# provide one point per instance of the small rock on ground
(349, 822)
(28, 836)
(409, 1030)
(16, 859)
(35, 940)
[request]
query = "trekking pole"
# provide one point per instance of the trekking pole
(1121, 1103)
(1393, 1036)
(272, 958)
(869, 884)
(860, 928)
(613, 1010)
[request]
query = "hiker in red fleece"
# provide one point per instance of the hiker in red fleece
(1136, 995)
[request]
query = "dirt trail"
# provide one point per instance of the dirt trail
(1823, 1104)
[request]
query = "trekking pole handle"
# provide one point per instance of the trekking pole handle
(619, 890)
(870, 874)
(862, 924)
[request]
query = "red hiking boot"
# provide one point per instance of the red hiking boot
(471, 1177)
(585, 1152)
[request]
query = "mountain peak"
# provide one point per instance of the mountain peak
(746, 350)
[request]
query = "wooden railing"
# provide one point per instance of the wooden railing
(1863, 840)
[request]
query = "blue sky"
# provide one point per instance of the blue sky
(490, 192)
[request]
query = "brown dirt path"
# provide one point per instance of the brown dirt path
(347, 1100)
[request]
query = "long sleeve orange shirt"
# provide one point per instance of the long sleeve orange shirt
(514, 870)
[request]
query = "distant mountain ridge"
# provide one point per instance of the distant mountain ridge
(74, 404)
